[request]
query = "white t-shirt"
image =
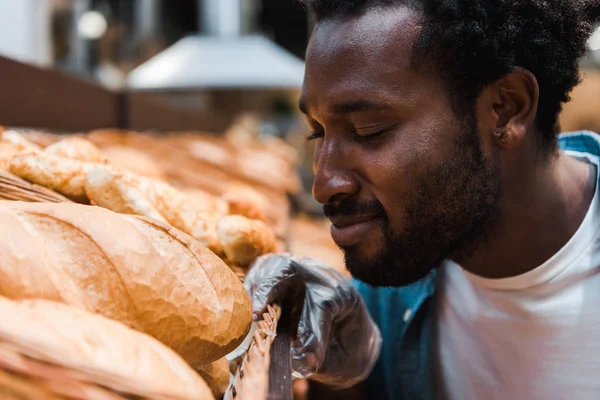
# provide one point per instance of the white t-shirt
(529, 337)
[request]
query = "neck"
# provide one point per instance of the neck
(540, 211)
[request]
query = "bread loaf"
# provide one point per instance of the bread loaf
(217, 376)
(67, 350)
(7, 152)
(65, 176)
(247, 202)
(243, 239)
(76, 148)
(12, 137)
(116, 191)
(126, 193)
(139, 271)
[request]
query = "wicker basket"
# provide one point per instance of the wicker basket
(264, 371)
(14, 188)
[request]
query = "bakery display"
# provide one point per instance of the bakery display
(76, 168)
(82, 355)
(154, 231)
(76, 148)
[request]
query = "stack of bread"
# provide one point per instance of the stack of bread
(150, 270)
(231, 225)
(235, 162)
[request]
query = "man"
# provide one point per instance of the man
(438, 163)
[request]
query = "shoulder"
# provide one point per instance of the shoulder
(582, 142)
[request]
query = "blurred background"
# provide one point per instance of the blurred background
(175, 65)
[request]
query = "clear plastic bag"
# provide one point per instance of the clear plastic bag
(337, 342)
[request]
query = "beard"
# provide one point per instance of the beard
(454, 208)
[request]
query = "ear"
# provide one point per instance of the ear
(515, 105)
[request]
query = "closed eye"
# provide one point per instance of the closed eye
(316, 135)
(371, 134)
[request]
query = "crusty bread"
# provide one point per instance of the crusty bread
(243, 239)
(246, 201)
(76, 148)
(211, 202)
(7, 152)
(55, 342)
(189, 214)
(136, 270)
(12, 137)
(217, 376)
(117, 191)
(130, 194)
(65, 176)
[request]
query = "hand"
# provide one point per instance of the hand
(337, 342)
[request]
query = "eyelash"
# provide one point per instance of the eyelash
(373, 135)
(315, 135)
(318, 135)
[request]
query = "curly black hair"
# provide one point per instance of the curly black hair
(473, 43)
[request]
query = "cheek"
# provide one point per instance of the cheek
(393, 173)
(399, 168)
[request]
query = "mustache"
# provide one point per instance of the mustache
(351, 207)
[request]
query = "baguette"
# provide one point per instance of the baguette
(76, 148)
(129, 194)
(7, 152)
(136, 270)
(247, 202)
(65, 176)
(64, 350)
(13, 138)
(243, 239)
(116, 191)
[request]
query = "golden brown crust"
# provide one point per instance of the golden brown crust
(132, 269)
(12, 137)
(76, 148)
(243, 239)
(118, 192)
(65, 176)
(78, 348)
(245, 201)
(7, 152)
(217, 376)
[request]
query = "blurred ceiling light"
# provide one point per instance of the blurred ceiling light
(92, 25)
(594, 42)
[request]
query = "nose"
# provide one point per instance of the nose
(334, 178)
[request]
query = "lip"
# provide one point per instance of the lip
(347, 232)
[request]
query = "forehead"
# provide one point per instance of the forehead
(370, 53)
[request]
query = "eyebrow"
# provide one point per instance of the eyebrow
(349, 107)
(356, 106)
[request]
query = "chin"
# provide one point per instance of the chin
(385, 270)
